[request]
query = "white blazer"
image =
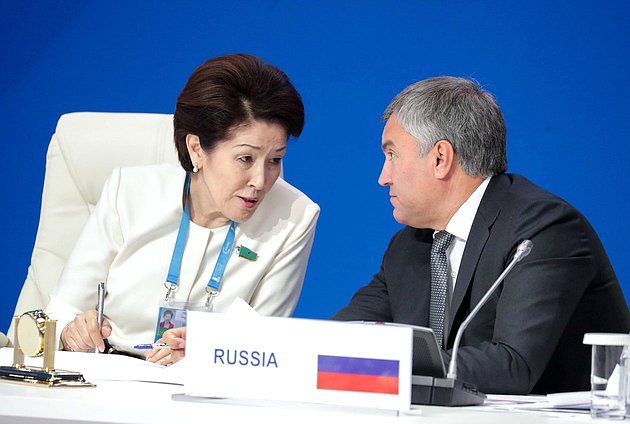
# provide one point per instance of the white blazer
(128, 242)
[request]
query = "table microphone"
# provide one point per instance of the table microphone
(450, 391)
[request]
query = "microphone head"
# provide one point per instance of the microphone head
(523, 249)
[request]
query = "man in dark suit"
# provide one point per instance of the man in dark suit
(445, 161)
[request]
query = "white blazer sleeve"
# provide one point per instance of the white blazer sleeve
(278, 292)
(90, 259)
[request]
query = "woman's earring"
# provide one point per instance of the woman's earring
(195, 169)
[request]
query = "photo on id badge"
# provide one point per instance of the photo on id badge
(169, 317)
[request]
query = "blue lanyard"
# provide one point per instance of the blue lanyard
(174, 269)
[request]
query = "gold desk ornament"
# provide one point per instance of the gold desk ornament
(34, 336)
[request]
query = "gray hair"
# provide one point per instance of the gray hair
(457, 110)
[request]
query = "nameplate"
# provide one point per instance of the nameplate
(302, 360)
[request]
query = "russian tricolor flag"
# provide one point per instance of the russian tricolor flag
(357, 374)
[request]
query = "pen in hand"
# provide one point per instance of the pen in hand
(99, 309)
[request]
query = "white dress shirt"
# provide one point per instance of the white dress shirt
(460, 225)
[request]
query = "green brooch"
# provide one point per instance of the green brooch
(246, 253)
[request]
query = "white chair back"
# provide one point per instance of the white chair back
(82, 153)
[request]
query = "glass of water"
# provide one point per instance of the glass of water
(609, 374)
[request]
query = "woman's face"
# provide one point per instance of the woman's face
(234, 177)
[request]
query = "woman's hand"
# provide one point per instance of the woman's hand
(82, 334)
(176, 340)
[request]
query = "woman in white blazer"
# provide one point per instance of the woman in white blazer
(221, 226)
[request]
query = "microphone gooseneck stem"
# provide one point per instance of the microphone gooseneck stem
(522, 250)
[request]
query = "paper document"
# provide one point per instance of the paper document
(120, 367)
(104, 367)
(241, 308)
(570, 402)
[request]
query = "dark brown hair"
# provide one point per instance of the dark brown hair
(229, 91)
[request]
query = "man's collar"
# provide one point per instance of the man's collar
(461, 222)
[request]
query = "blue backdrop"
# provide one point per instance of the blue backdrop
(560, 71)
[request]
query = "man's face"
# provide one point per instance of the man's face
(410, 178)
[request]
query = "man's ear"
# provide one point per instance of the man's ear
(444, 156)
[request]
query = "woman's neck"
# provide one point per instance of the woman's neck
(202, 210)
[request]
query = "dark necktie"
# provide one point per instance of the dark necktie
(439, 284)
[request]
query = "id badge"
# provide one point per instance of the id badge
(173, 314)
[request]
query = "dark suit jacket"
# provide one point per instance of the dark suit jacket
(528, 337)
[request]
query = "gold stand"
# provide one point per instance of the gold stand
(40, 333)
